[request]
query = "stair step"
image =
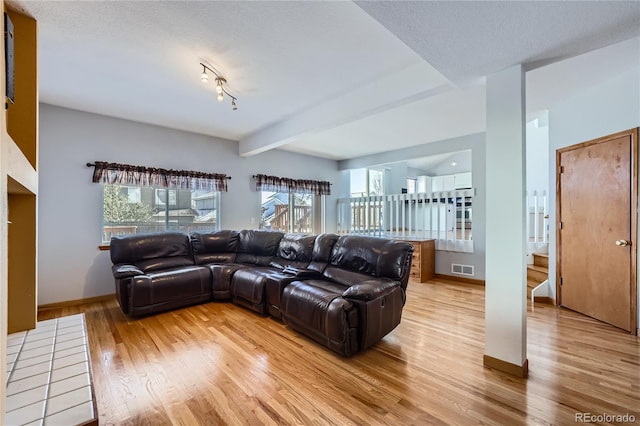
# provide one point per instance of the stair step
(538, 268)
(537, 273)
(530, 286)
(541, 259)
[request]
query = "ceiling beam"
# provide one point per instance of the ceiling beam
(408, 85)
(428, 149)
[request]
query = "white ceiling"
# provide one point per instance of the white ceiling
(440, 164)
(323, 78)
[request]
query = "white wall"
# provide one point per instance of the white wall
(607, 108)
(395, 178)
(70, 266)
(537, 155)
(413, 173)
(463, 161)
(475, 143)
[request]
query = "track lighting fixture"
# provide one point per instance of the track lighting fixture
(220, 82)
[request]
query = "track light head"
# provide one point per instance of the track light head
(204, 77)
(219, 82)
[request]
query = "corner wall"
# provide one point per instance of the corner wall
(70, 267)
(607, 108)
(537, 160)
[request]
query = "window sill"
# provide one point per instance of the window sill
(103, 247)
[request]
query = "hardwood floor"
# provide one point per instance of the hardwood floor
(218, 363)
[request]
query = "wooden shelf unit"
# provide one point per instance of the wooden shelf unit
(423, 264)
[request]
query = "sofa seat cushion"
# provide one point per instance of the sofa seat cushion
(317, 308)
(161, 264)
(221, 274)
(248, 287)
(170, 284)
(344, 277)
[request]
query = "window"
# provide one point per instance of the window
(133, 193)
(276, 211)
(358, 180)
(161, 196)
(412, 185)
(142, 209)
(376, 182)
(366, 182)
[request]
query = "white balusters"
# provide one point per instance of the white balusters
(443, 216)
(537, 220)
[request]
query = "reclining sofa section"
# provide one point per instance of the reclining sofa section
(345, 292)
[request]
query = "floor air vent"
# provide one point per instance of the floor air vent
(462, 269)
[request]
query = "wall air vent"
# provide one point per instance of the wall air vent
(462, 269)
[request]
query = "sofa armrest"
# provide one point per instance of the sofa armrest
(379, 303)
(300, 273)
(122, 270)
(370, 289)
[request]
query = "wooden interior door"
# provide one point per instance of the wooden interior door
(597, 199)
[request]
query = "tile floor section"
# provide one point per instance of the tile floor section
(48, 380)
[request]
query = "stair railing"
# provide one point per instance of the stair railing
(444, 216)
(537, 218)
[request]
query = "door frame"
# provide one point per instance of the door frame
(633, 133)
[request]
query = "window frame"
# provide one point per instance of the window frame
(317, 212)
(165, 206)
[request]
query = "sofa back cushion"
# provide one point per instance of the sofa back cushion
(152, 252)
(258, 247)
(322, 248)
(369, 256)
(294, 250)
(214, 247)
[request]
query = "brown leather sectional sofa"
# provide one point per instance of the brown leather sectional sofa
(344, 292)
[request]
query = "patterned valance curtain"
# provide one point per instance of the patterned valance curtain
(301, 186)
(125, 174)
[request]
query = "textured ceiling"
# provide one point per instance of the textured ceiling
(333, 79)
(466, 40)
(140, 60)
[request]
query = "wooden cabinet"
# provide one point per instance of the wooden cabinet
(423, 264)
(19, 170)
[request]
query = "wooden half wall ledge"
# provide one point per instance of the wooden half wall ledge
(76, 302)
(507, 367)
(459, 279)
